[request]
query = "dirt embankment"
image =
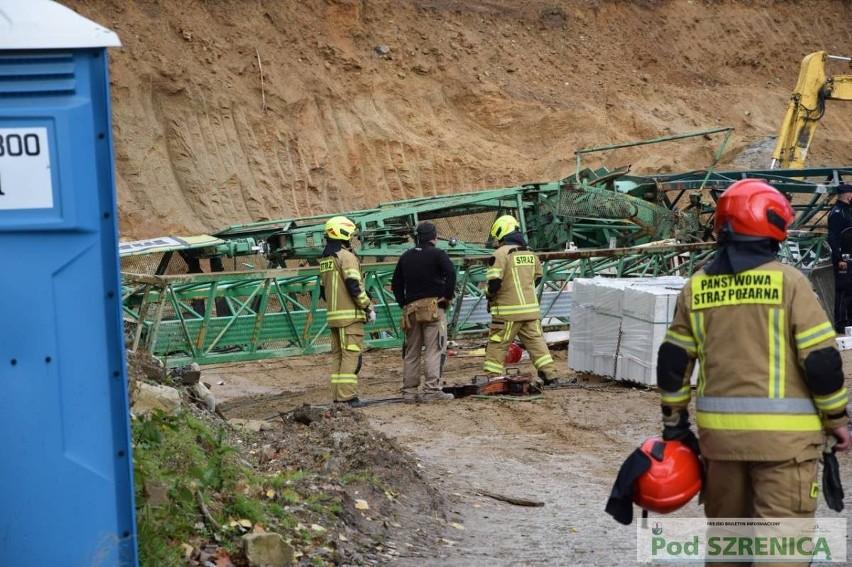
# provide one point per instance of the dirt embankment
(238, 111)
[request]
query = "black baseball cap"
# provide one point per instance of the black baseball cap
(844, 188)
(426, 231)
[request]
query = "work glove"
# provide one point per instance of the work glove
(676, 428)
(683, 434)
(371, 316)
(832, 488)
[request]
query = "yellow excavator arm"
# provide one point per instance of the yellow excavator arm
(806, 108)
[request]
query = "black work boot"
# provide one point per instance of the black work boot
(545, 381)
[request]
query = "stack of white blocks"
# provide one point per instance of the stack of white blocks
(617, 325)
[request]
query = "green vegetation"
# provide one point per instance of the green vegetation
(192, 488)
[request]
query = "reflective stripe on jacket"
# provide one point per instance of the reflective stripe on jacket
(750, 333)
(342, 308)
(516, 300)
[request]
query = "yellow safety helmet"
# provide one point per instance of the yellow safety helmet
(340, 228)
(503, 226)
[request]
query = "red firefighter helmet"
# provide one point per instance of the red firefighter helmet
(673, 479)
(514, 354)
(753, 207)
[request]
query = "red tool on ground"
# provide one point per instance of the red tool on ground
(512, 383)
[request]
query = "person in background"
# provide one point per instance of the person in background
(348, 308)
(770, 390)
(513, 273)
(839, 220)
(423, 283)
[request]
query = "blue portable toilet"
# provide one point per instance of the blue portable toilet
(66, 474)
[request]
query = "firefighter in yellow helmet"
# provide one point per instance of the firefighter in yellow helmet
(513, 273)
(770, 385)
(348, 308)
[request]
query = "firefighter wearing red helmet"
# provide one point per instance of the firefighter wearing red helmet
(770, 381)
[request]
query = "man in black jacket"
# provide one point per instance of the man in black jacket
(839, 220)
(423, 284)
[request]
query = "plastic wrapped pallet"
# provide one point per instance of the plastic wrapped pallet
(617, 325)
(581, 345)
(608, 303)
(648, 310)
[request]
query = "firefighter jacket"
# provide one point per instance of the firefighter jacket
(516, 270)
(343, 288)
(764, 344)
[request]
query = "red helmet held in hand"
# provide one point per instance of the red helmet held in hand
(673, 478)
(753, 207)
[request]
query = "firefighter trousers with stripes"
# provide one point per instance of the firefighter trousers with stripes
(346, 343)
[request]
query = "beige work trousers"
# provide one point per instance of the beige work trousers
(760, 489)
(346, 343)
(426, 341)
(502, 334)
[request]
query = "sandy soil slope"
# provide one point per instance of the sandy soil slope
(235, 111)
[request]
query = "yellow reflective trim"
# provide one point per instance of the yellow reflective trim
(757, 422)
(814, 335)
(514, 309)
(832, 401)
(338, 315)
(777, 353)
(353, 273)
(543, 360)
(681, 340)
(492, 273)
(517, 307)
(752, 287)
(681, 395)
(667, 399)
(697, 322)
(490, 366)
(518, 291)
(495, 338)
(344, 379)
(353, 348)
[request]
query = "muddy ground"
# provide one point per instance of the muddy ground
(562, 451)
